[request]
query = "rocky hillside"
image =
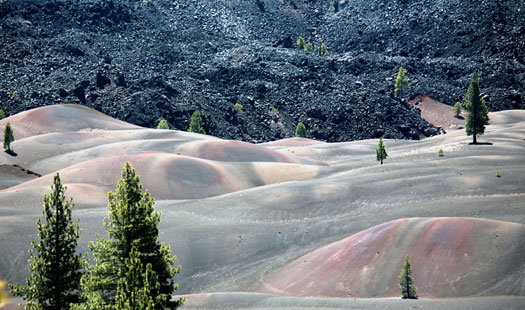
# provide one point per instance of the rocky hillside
(143, 61)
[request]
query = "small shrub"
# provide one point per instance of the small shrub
(196, 123)
(2, 114)
(322, 50)
(273, 111)
(238, 107)
(401, 82)
(163, 124)
(308, 47)
(300, 43)
(457, 108)
(15, 94)
(440, 152)
(498, 173)
(300, 130)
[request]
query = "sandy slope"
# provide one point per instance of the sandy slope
(268, 205)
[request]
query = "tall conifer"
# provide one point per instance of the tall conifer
(132, 223)
(406, 283)
(56, 268)
(477, 116)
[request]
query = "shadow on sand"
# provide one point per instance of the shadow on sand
(11, 152)
(480, 143)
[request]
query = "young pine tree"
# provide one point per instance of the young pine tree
(2, 114)
(132, 223)
(322, 50)
(457, 109)
(300, 43)
(381, 151)
(56, 268)
(196, 123)
(401, 82)
(8, 137)
(477, 116)
(406, 283)
(163, 124)
(300, 130)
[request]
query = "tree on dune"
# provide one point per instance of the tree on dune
(406, 282)
(477, 116)
(132, 226)
(56, 268)
(381, 153)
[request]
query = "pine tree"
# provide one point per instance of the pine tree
(322, 50)
(2, 114)
(300, 43)
(132, 222)
(406, 283)
(136, 289)
(477, 116)
(300, 130)
(56, 268)
(457, 108)
(381, 151)
(8, 137)
(196, 123)
(401, 82)
(163, 124)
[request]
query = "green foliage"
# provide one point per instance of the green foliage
(308, 47)
(300, 130)
(300, 43)
(406, 283)
(136, 292)
(381, 153)
(2, 114)
(477, 116)
(8, 137)
(15, 94)
(498, 173)
(401, 82)
(196, 123)
(440, 152)
(457, 108)
(132, 223)
(322, 50)
(163, 124)
(238, 107)
(273, 111)
(335, 5)
(55, 268)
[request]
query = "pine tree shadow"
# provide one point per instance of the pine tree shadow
(459, 117)
(481, 143)
(12, 153)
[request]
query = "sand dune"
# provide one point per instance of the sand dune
(450, 257)
(60, 118)
(236, 213)
(167, 176)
